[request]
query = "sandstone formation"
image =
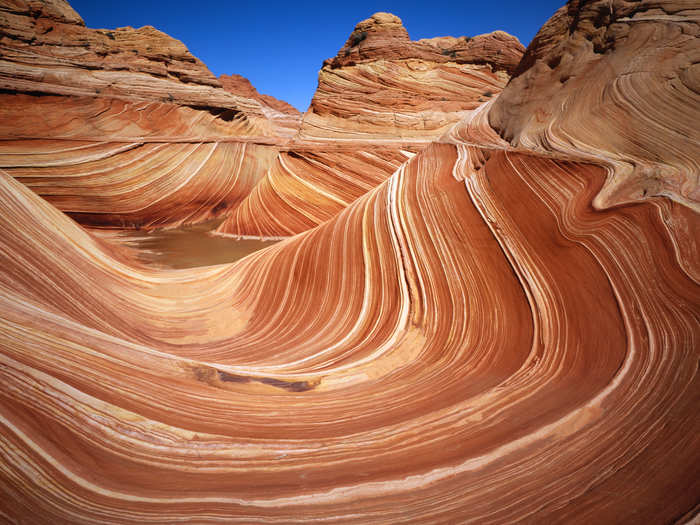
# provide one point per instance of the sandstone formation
(595, 79)
(125, 128)
(284, 115)
(239, 85)
(137, 184)
(380, 100)
(80, 83)
(383, 86)
(138, 91)
(477, 339)
(308, 185)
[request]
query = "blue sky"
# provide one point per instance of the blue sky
(280, 46)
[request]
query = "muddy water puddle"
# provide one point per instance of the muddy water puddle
(183, 247)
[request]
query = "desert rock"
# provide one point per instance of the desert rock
(378, 102)
(474, 339)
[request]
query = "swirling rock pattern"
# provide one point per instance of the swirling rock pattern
(143, 96)
(595, 79)
(380, 100)
(125, 128)
(473, 340)
(305, 187)
(138, 185)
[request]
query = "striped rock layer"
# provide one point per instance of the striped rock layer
(173, 145)
(621, 82)
(475, 340)
(60, 79)
(382, 85)
(125, 128)
(308, 185)
(140, 185)
(380, 100)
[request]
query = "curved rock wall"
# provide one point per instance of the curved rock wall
(456, 340)
(383, 86)
(474, 339)
(138, 185)
(380, 100)
(130, 87)
(621, 81)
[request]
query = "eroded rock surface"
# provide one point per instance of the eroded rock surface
(134, 89)
(619, 80)
(378, 102)
(125, 128)
(239, 85)
(473, 340)
(383, 86)
(99, 83)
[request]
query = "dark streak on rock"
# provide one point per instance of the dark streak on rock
(231, 378)
(208, 375)
(4, 91)
(296, 386)
(203, 373)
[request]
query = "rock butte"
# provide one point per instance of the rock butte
(502, 328)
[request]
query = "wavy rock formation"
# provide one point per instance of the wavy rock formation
(239, 85)
(379, 101)
(278, 111)
(132, 89)
(595, 80)
(474, 340)
(125, 128)
(306, 186)
(60, 79)
(137, 184)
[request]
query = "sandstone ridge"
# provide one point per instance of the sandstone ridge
(378, 102)
(383, 85)
(594, 82)
(46, 51)
(383, 36)
(239, 85)
(468, 329)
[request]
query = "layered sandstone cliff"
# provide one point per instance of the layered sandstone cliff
(383, 86)
(125, 128)
(61, 79)
(284, 115)
(619, 81)
(140, 90)
(239, 85)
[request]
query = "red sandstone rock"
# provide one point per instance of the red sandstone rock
(45, 49)
(139, 86)
(239, 85)
(57, 10)
(382, 85)
(619, 81)
(381, 99)
(283, 114)
(147, 137)
(471, 341)
(383, 37)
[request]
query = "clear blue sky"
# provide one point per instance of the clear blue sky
(280, 45)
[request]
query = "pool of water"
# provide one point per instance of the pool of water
(184, 247)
